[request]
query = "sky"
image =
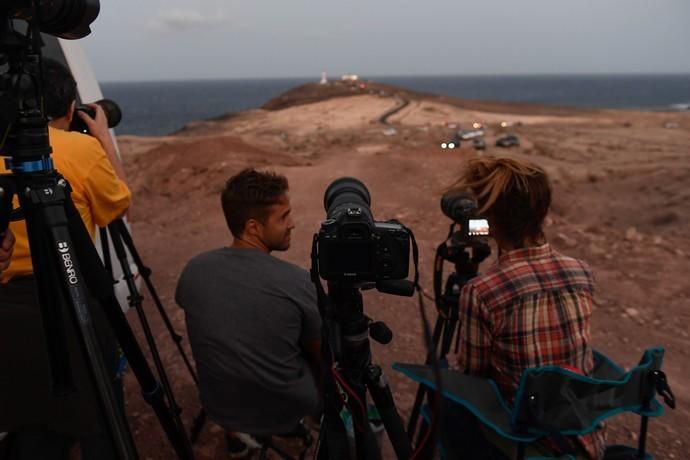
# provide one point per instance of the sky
(142, 40)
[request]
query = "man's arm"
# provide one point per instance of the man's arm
(6, 248)
(310, 340)
(312, 353)
(106, 186)
(475, 337)
(98, 127)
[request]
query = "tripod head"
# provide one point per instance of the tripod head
(23, 125)
(24, 128)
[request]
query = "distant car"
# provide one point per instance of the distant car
(479, 143)
(507, 141)
(467, 134)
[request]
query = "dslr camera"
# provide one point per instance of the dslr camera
(112, 113)
(352, 246)
(461, 208)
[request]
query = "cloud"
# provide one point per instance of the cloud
(177, 20)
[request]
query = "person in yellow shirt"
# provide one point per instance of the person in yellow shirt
(91, 166)
(89, 163)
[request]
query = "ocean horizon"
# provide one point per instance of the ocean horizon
(155, 108)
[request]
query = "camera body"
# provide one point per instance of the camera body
(352, 246)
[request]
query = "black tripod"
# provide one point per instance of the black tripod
(351, 376)
(349, 372)
(456, 250)
(121, 239)
(70, 277)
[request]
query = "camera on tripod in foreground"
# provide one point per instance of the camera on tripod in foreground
(355, 247)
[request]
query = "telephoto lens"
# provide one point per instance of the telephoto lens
(68, 19)
(458, 206)
(346, 190)
(112, 113)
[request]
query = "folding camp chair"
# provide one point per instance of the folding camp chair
(555, 402)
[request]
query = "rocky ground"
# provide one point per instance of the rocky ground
(621, 203)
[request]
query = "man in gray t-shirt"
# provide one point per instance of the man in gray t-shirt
(252, 319)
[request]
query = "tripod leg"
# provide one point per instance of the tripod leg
(100, 284)
(332, 443)
(120, 227)
(50, 235)
(135, 300)
(383, 398)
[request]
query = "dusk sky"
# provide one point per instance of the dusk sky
(225, 39)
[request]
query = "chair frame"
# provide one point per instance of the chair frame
(652, 382)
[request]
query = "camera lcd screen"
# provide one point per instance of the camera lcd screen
(478, 227)
(352, 258)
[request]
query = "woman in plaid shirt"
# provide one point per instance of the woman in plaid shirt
(533, 306)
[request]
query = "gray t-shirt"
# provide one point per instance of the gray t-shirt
(248, 316)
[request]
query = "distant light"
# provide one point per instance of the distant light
(451, 145)
(476, 125)
(444, 145)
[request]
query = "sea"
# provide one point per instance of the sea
(162, 108)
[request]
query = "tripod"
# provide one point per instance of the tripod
(353, 373)
(121, 238)
(456, 250)
(70, 277)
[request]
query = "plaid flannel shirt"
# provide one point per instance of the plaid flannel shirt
(531, 309)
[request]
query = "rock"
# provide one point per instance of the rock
(679, 252)
(666, 218)
(631, 234)
(596, 250)
(657, 240)
(632, 312)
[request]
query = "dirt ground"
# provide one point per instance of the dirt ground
(621, 203)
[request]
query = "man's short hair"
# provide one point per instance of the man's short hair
(515, 194)
(60, 88)
(249, 195)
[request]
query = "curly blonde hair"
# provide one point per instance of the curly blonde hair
(515, 196)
